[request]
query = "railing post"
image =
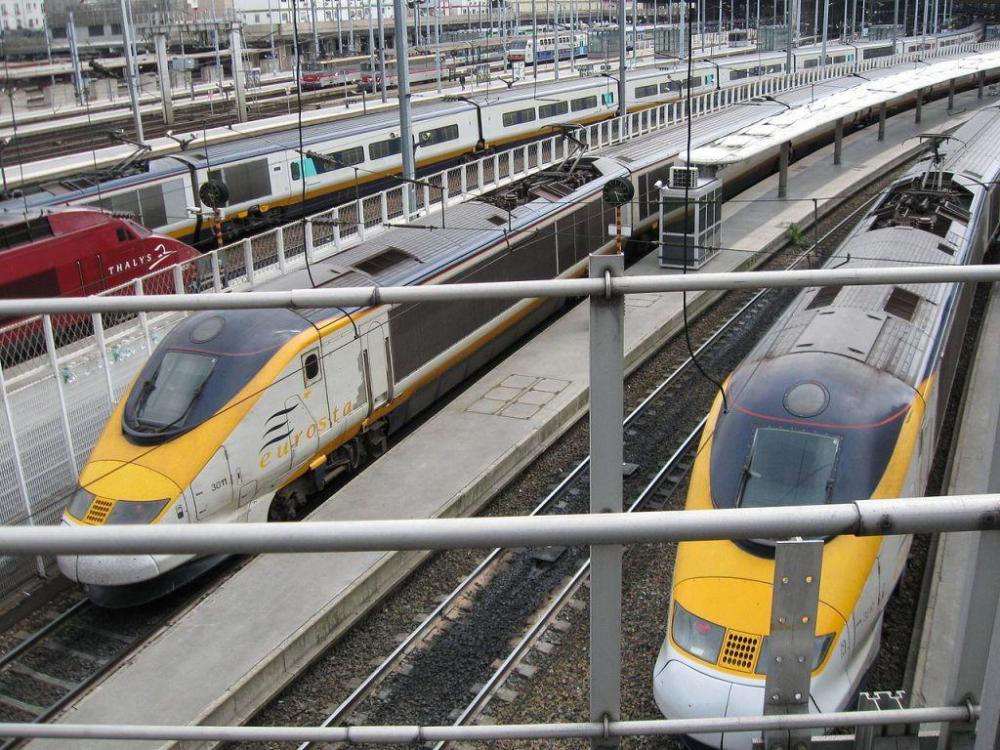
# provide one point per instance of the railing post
(248, 260)
(98, 323)
(144, 318)
(384, 202)
(279, 247)
(607, 316)
(464, 181)
(336, 221)
(178, 273)
(496, 166)
(15, 450)
(307, 238)
(50, 347)
(794, 604)
(216, 273)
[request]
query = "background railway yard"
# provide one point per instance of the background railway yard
(468, 637)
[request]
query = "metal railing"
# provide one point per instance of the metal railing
(65, 372)
(605, 528)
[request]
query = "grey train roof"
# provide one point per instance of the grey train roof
(855, 323)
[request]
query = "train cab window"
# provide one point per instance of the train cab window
(586, 102)
(553, 110)
(382, 149)
(311, 371)
(438, 135)
(518, 117)
(123, 235)
(166, 399)
(788, 467)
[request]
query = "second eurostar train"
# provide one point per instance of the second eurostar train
(841, 401)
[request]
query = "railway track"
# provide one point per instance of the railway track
(63, 658)
(534, 586)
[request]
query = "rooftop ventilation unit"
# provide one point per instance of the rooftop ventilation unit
(683, 177)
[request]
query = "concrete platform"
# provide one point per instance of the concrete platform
(223, 659)
(975, 469)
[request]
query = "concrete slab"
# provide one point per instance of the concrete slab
(975, 469)
(220, 661)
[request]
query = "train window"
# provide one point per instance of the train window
(586, 102)
(246, 181)
(382, 149)
(438, 135)
(643, 92)
(772, 69)
(310, 367)
(340, 159)
(902, 303)
(122, 235)
(607, 98)
(553, 110)
(17, 233)
(788, 467)
(166, 399)
(839, 59)
(518, 116)
(152, 210)
(812, 63)
(824, 297)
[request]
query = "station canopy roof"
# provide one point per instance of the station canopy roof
(772, 131)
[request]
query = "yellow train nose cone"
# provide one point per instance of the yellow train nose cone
(119, 480)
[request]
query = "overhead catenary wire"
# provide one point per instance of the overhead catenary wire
(689, 210)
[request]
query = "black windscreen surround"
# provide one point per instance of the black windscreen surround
(421, 331)
(853, 435)
(199, 367)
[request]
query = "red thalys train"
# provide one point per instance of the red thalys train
(73, 252)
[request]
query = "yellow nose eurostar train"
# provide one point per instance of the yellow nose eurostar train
(239, 415)
(841, 401)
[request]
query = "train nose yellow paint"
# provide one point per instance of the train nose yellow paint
(118, 480)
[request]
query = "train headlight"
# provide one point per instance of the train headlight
(79, 504)
(821, 645)
(127, 511)
(698, 637)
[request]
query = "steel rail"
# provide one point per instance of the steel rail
(374, 295)
(568, 730)
(517, 653)
(40, 634)
(388, 664)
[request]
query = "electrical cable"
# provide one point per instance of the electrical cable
(688, 211)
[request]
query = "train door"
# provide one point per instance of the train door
(212, 489)
(88, 273)
(346, 390)
(377, 367)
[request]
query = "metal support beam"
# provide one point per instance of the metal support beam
(239, 77)
(131, 70)
(838, 141)
(607, 396)
(951, 94)
(163, 72)
(881, 121)
(981, 78)
(403, 91)
(381, 49)
(783, 170)
(797, 566)
(621, 57)
(918, 107)
(74, 51)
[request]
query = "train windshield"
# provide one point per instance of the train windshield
(788, 467)
(201, 365)
(166, 398)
